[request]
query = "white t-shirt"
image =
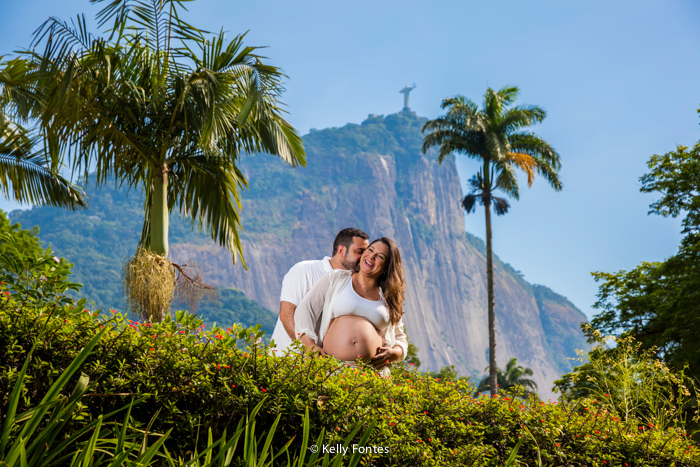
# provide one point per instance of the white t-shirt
(349, 303)
(295, 285)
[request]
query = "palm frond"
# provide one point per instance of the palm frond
(63, 40)
(526, 163)
(157, 22)
(519, 117)
(469, 203)
(27, 176)
(528, 143)
(547, 159)
(507, 180)
(500, 205)
(206, 189)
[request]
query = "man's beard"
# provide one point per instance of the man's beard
(350, 266)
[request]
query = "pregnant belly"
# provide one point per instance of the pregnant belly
(351, 337)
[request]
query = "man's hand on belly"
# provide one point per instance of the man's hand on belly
(385, 356)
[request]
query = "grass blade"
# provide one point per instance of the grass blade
(62, 380)
(356, 456)
(90, 448)
(14, 401)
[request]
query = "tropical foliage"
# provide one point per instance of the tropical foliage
(657, 303)
(514, 375)
(26, 240)
(27, 174)
(632, 383)
(193, 385)
(28, 441)
(160, 105)
(495, 136)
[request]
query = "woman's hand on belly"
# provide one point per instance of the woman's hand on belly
(351, 337)
(386, 356)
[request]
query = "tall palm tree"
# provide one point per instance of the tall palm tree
(495, 136)
(514, 375)
(161, 106)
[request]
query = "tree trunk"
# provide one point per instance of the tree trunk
(159, 213)
(491, 300)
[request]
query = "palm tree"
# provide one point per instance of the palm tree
(161, 106)
(512, 377)
(494, 135)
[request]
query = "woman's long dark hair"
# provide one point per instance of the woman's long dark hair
(392, 282)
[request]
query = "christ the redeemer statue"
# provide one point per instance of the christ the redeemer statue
(405, 91)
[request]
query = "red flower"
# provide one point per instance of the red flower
(263, 389)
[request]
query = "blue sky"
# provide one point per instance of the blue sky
(619, 80)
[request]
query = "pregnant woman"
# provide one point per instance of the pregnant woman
(352, 315)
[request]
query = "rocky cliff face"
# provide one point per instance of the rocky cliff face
(373, 176)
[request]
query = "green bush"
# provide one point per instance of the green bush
(198, 381)
(632, 383)
(28, 440)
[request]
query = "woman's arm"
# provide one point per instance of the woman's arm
(400, 339)
(309, 312)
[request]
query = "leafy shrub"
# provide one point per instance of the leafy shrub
(632, 383)
(27, 441)
(198, 381)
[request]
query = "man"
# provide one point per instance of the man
(348, 247)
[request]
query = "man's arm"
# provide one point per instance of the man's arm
(287, 318)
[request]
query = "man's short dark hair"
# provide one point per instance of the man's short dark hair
(345, 238)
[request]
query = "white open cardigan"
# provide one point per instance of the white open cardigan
(317, 307)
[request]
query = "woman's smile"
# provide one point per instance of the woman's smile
(373, 258)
